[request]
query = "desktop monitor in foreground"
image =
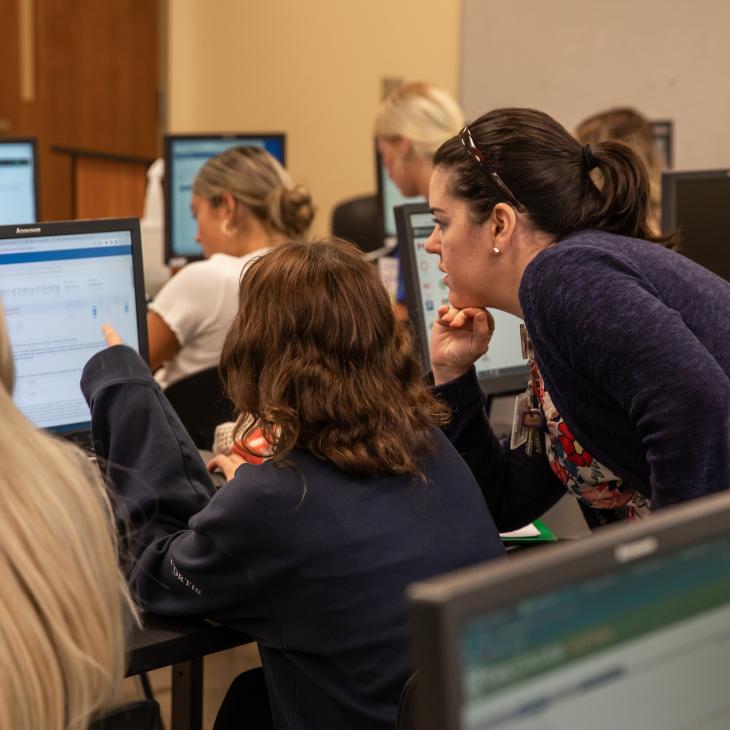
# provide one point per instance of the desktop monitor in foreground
(185, 154)
(389, 197)
(698, 205)
(59, 283)
(18, 181)
(502, 369)
(629, 628)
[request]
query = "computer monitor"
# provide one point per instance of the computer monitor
(664, 136)
(629, 628)
(59, 283)
(502, 369)
(698, 205)
(185, 154)
(18, 181)
(389, 197)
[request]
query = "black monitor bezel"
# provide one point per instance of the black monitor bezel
(670, 178)
(36, 191)
(492, 384)
(100, 225)
(167, 142)
(438, 607)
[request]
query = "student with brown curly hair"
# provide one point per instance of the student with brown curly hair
(309, 552)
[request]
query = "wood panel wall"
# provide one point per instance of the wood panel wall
(96, 66)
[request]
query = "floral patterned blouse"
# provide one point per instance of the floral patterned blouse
(588, 479)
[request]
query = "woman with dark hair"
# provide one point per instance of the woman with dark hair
(310, 552)
(628, 404)
(624, 124)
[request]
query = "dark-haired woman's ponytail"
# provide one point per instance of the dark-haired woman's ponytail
(622, 205)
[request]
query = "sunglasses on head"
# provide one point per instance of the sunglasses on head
(478, 156)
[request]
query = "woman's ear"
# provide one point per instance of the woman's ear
(503, 221)
(228, 204)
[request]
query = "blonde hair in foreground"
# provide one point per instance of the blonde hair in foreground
(63, 599)
(423, 113)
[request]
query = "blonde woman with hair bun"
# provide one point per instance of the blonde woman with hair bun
(245, 204)
(63, 600)
(411, 124)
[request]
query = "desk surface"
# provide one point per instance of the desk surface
(164, 641)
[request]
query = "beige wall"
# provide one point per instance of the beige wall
(572, 58)
(311, 69)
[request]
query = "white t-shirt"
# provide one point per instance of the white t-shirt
(198, 304)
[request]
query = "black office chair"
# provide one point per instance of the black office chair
(360, 220)
(406, 717)
(142, 715)
(201, 404)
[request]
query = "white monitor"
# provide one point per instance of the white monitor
(18, 181)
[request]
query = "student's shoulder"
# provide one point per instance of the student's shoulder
(271, 483)
(579, 270)
(191, 284)
(584, 252)
(444, 459)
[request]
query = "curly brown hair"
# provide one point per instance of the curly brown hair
(317, 360)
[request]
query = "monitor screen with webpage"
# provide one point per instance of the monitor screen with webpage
(697, 204)
(59, 283)
(18, 177)
(627, 629)
(502, 369)
(185, 154)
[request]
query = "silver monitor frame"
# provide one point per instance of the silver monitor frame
(438, 607)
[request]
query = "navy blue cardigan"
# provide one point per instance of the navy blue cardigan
(633, 343)
(308, 560)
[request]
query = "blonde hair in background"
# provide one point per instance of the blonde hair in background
(256, 179)
(624, 124)
(421, 112)
(63, 601)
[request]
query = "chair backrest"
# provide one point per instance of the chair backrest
(360, 220)
(406, 717)
(142, 715)
(201, 404)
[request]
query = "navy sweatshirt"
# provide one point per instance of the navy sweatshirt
(633, 344)
(308, 560)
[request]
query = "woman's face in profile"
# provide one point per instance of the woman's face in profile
(395, 153)
(462, 246)
(210, 220)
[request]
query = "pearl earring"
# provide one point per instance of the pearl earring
(496, 251)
